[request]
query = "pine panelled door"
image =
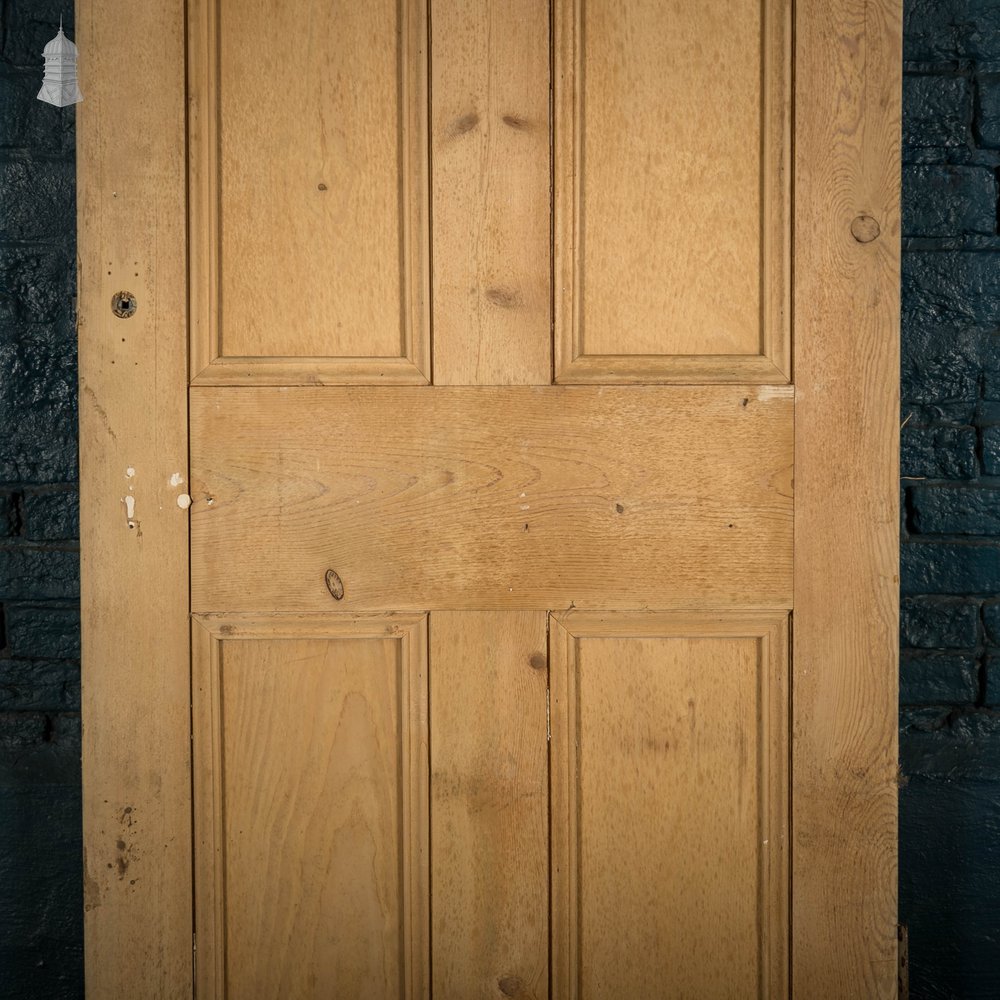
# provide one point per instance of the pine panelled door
(441, 553)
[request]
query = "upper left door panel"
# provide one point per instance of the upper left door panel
(308, 192)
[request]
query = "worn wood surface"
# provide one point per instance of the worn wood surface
(490, 159)
(312, 830)
(450, 498)
(134, 539)
(669, 805)
(671, 191)
(309, 255)
(846, 303)
(489, 804)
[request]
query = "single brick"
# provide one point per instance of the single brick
(956, 568)
(982, 23)
(968, 746)
(42, 632)
(937, 111)
(991, 451)
(38, 197)
(938, 623)
(933, 30)
(51, 515)
(987, 125)
(946, 201)
(31, 573)
(941, 365)
(39, 686)
(938, 679)
(956, 510)
(954, 291)
(991, 619)
(938, 452)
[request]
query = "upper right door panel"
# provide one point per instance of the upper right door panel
(671, 242)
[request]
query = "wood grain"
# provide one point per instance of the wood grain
(669, 805)
(311, 828)
(491, 192)
(309, 190)
(452, 498)
(134, 538)
(489, 795)
(848, 68)
(671, 191)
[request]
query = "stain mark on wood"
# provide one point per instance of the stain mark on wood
(464, 124)
(505, 298)
(538, 661)
(335, 585)
(517, 122)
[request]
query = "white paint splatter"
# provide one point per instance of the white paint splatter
(129, 472)
(175, 480)
(183, 501)
(129, 507)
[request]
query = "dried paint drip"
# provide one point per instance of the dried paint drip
(335, 585)
(183, 501)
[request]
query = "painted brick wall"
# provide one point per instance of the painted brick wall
(41, 903)
(950, 614)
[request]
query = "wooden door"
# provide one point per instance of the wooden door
(441, 552)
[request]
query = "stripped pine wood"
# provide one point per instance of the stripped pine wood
(134, 538)
(373, 566)
(311, 777)
(669, 805)
(672, 191)
(309, 256)
(490, 127)
(489, 803)
(490, 497)
(848, 80)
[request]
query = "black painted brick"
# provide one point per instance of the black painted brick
(938, 623)
(27, 123)
(991, 451)
(28, 572)
(991, 620)
(955, 510)
(938, 452)
(35, 286)
(988, 111)
(30, 25)
(42, 631)
(943, 365)
(945, 200)
(8, 514)
(39, 685)
(51, 515)
(956, 291)
(950, 568)
(938, 678)
(945, 31)
(937, 111)
(43, 215)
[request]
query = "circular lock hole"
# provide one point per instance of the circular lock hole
(123, 304)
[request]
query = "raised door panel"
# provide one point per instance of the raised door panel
(310, 783)
(308, 191)
(672, 126)
(669, 806)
